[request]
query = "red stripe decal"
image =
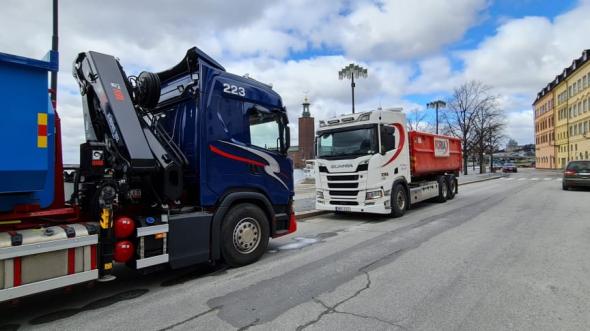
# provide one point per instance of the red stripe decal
(71, 261)
(17, 271)
(402, 141)
(42, 130)
(92, 257)
(235, 157)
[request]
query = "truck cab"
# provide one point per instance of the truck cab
(368, 162)
(359, 157)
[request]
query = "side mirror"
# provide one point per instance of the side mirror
(287, 140)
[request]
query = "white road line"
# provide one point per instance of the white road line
(509, 178)
(502, 178)
(534, 178)
(523, 178)
(558, 179)
(547, 178)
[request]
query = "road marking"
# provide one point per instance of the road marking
(509, 178)
(558, 179)
(535, 178)
(523, 178)
(547, 178)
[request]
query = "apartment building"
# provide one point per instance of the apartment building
(562, 116)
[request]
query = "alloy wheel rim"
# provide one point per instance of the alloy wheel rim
(246, 235)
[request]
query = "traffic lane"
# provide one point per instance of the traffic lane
(510, 267)
(130, 286)
(188, 292)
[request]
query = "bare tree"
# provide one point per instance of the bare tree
(488, 127)
(416, 121)
(472, 112)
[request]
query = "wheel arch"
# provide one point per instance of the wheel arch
(226, 203)
(404, 183)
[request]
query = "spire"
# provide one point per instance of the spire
(305, 105)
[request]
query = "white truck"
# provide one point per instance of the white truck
(368, 162)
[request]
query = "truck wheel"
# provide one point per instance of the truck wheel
(399, 200)
(244, 235)
(451, 185)
(443, 190)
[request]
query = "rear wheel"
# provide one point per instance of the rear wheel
(443, 190)
(399, 200)
(244, 234)
(451, 185)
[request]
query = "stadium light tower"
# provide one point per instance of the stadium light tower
(350, 72)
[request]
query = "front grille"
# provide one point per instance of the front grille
(343, 185)
(344, 203)
(344, 193)
(344, 177)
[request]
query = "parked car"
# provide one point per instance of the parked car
(497, 166)
(509, 167)
(576, 174)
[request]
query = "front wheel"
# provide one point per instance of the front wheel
(244, 235)
(399, 200)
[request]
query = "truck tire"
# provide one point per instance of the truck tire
(399, 200)
(443, 190)
(451, 185)
(244, 235)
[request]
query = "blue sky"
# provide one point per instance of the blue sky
(415, 51)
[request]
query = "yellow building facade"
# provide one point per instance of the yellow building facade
(567, 136)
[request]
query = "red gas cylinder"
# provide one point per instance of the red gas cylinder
(124, 251)
(124, 227)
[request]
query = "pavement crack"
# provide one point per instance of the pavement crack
(192, 318)
(332, 309)
(246, 327)
(371, 317)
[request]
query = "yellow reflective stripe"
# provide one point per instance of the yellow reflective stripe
(41, 119)
(41, 141)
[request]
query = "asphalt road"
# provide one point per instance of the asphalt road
(505, 254)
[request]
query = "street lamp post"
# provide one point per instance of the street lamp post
(350, 72)
(436, 105)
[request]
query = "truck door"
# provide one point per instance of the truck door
(267, 133)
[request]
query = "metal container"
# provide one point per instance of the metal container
(432, 154)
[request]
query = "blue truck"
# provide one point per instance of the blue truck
(179, 167)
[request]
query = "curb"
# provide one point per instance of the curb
(313, 213)
(482, 180)
(310, 213)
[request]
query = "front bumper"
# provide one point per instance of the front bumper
(377, 206)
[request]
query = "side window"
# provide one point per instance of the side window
(387, 138)
(264, 129)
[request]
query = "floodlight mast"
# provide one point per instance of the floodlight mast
(350, 72)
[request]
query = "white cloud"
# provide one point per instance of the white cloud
(520, 126)
(525, 54)
(392, 38)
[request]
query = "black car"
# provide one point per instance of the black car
(509, 167)
(576, 174)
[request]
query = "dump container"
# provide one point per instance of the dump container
(27, 132)
(432, 154)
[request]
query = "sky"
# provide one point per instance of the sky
(415, 51)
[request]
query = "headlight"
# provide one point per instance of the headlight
(374, 195)
(319, 194)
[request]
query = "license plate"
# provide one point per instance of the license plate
(342, 208)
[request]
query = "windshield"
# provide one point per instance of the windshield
(353, 142)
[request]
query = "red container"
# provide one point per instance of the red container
(432, 154)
